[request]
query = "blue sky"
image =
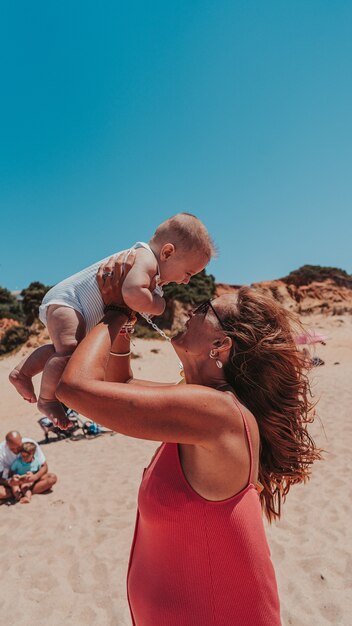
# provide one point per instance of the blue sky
(116, 115)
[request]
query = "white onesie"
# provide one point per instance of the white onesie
(81, 292)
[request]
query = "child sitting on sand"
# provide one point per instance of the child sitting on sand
(24, 464)
(179, 248)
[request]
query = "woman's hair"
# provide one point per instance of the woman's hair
(29, 447)
(269, 376)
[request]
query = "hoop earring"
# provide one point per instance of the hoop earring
(213, 355)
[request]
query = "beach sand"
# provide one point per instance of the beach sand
(64, 556)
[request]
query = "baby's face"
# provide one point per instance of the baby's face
(27, 457)
(180, 267)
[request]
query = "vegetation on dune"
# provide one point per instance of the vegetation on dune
(201, 287)
(32, 298)
(13, 337)
(10, 308)
(308, 274)
(143, 330)
(25, 311)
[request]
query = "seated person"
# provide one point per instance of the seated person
(9, 450)
(21, 469)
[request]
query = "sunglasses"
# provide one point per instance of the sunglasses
(204, 308)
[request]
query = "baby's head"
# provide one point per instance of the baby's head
(28, 451)
(183, 247)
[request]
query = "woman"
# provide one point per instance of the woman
(199, 554)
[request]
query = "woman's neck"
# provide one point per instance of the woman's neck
(196, 374)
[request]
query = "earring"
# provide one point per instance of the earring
(213, 355)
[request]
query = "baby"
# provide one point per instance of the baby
(21, 486)
(180, 247)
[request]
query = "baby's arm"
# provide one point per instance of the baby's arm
(136, 288)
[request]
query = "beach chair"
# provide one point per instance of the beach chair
(88, 427)
(49, 427)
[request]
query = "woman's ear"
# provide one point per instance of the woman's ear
(166, 251)
(224, 345)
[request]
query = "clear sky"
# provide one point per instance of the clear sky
(115, 115)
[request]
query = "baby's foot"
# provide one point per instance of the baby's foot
(23, 385)
(63, 423)
(26, 498)
(55, 412)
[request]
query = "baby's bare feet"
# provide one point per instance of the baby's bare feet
(54, 410)
(26, 498)
(63, 423)
(23, 385)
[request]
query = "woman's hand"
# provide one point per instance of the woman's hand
(111, 276)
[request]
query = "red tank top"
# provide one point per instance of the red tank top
(197, 562)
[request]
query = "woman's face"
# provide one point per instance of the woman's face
(203, 328)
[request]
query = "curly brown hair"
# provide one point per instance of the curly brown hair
(269, 376)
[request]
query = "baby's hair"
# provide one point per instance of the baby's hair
(186, 231)
(29, 447)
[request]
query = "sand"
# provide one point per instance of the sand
(64, 556)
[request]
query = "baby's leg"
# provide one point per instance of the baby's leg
(16, 491)
(26, 496)
(21, 376)
(66, 328)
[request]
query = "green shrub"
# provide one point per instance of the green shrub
(316, 273)
(32, 298)
(13, 337)
(144, 331)
(201, 287)
(10, 308)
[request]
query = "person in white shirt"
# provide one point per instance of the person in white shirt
(41, 481)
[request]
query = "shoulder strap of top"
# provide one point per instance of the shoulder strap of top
(142, 244)
(248, 437)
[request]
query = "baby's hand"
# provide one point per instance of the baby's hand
(29, 477)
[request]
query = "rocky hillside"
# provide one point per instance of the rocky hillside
(309, 290)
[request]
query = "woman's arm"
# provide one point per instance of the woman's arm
(118, 368)
(173, 413)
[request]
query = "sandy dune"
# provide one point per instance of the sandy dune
(64, 556)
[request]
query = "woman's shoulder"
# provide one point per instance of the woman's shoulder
(241, 414)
